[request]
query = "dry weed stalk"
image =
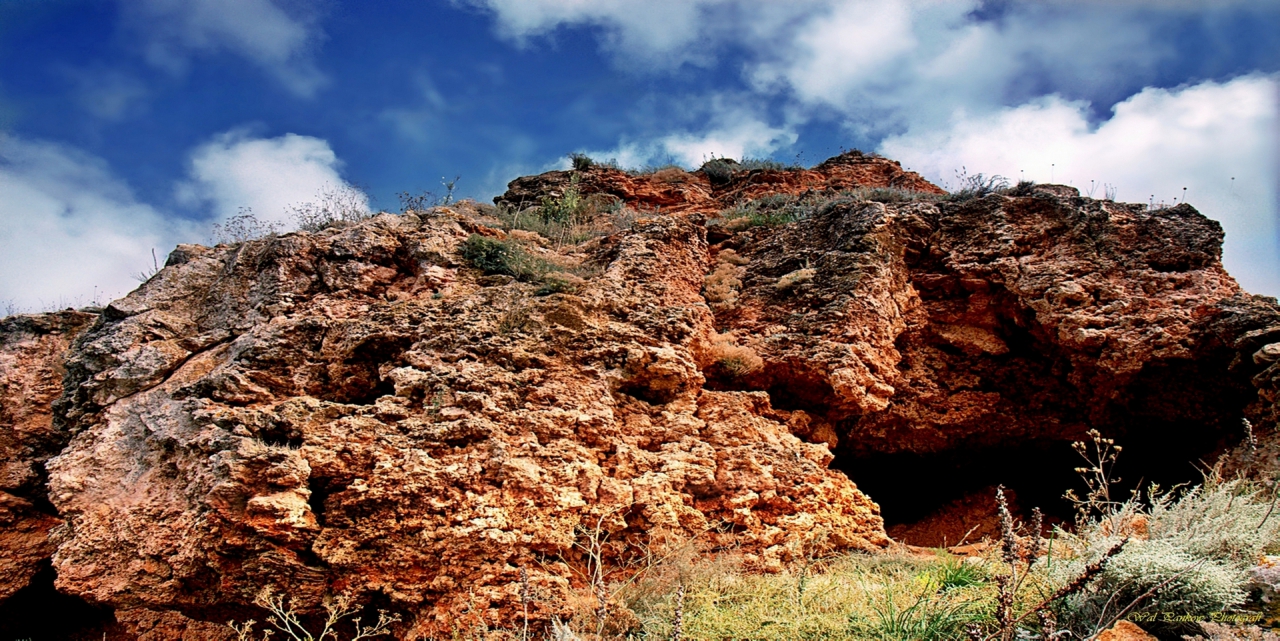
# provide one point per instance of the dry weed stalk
(284, 618)
(1098, 476)
(593, 548)
(1021, 554)
(526, 596)
(677, 621)
(1250, 439)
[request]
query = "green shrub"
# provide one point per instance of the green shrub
(1190, 552)
(575, 208)
(719, 171)
(581, 161)
(506, 257)
(572, 217)
(952, 573)
(774, 210)
(930, 617)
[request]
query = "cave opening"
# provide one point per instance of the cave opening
(40, 612)
(935, 499)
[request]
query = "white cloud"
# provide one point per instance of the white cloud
(733, 134)
(1156, 142)
(278, 41)
(871, 58)
(70, 231)
(656, 30)
(266, 175)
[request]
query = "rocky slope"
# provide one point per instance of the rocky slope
(362, 410)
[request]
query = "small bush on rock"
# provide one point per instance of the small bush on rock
(507, 257)
(342, 205)
(1189, 552)
(581, 161)
(572, 217)
(242, 227)
(889, 195)
(976, 186)
(774, 210)
(287, 620)
(719, 171)
(734, 360)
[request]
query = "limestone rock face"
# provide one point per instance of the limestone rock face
(672, 190)
(31, 351)
(363, 411)
(926, 325)
(356, 411)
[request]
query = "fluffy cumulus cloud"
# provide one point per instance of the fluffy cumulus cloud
(279, 41)
(1218, 140)
(71, 232)
(996, 87)
(735, 134)
(871, 59)
(266, 175)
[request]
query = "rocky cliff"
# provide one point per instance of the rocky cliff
(365, 410)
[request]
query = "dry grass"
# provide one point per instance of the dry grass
(572, 217)
(849, 597)
(733, 359)
(721, 286)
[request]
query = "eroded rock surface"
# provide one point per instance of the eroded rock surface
(31, 351)
(362, 410)
(672, 190)
(356, 411)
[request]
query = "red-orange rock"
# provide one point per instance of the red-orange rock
(31, 349)
(676, 191)
(1125, 631)
(362, 410)
(309, 412)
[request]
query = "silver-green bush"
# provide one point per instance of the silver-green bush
(1189, 553)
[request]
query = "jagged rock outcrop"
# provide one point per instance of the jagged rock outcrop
(31, 351)
(673, 190)
(363, 410)
(359, 410)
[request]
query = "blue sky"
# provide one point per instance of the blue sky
(138, 124)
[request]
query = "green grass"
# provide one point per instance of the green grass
(851, 597)
(507, 257)
(773, 210)
(510, 258)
